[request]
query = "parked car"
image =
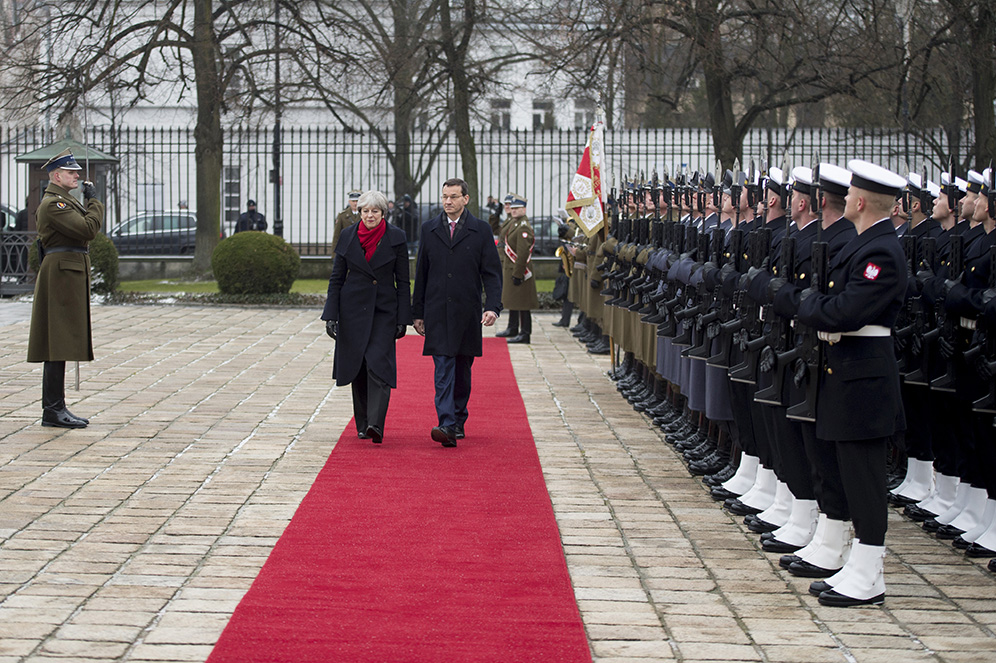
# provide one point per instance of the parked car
(546, 238)
(7, 217)
(170, 232)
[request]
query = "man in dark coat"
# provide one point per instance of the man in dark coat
(60, 314)
(456, 260)
(250, 219)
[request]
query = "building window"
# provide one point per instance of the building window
(584, 112)
(501, 113)
(542, 114)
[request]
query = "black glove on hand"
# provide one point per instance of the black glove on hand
(767, 359)
(516, 280)
(916, 345)
(901, 345)
(799, 373)
(774, 285)
(89, 190)
(753, 273)
(596, 283)
(805, 294)
(924, 275)
(948, 284)
(399, 331)
(944, 345)
(332, 328)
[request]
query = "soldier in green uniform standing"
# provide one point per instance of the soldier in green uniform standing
(60, 314)
(518, 294)
(347, 217)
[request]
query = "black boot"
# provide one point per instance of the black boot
(525, 328)
(565, 314)
(54, 412)
(513, 326)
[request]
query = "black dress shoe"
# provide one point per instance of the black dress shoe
(375, 434)
(61, 419)
(836, 600)
(975, 550)
(786, 561)
(520, 338)
(738, 508)
(917, 513)
(508, 331)
(945, 532)
(600, 349)
(930, 525)
(83, 419)
(722, 494)
(992, 565)
(775, 546)
(818, 587)
(960, 543)
(363, 435)
(560, 323)
(444, 435)
(767, 536)
(458, 432)
(759, 526)
(804, 569)
(901, 500)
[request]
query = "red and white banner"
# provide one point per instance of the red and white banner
(586, 199)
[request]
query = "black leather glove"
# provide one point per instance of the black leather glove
(727, 271)
(767, 360)
(753, 273)
(332, 328)
(799, 372)
(712, 330)
(916, 345)
(805, 294)
(946, 349)
(774, 285)
(948, 284)
(901, 344)
(924, 275)
(516, 280)
(399, 331)
(89, 190)
(985, 369)
(596, 283)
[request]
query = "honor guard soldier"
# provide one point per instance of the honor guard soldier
(60, 314)
(518, 293)
(347, 217)
(859, 406)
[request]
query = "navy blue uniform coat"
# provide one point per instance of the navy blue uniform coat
(449, 278)
(859, 384)
(369, 300)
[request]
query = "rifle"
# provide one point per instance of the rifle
(780, 334)
(687, 301)
(809, 362)
(920, 375)
(982, 355)
(907, 315)
(707, 324)
(751, 336)
(947, 325)
(729, 322)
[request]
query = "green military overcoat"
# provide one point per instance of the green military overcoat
(60, 314)
(345, 219)
(518, 239)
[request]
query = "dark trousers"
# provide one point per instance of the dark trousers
(371, 396)
(513, 322)
(827, 484)
(793, 467)
(452, 377)
(864, 481)
(919, 409)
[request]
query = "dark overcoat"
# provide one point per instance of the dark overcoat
(859, 395)
(60, 313)
(369, 300)
(449, 279)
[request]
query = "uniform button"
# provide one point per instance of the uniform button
(802, 276)
(829, 371)
(375, 281)
(449, 276)
(830, 284)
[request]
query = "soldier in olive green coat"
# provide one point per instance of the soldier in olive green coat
(518, 294)
(60, 315)
(346, 218)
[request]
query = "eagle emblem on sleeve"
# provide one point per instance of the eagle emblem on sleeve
(872, 271)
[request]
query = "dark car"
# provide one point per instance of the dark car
(545, 233)
(156, 233)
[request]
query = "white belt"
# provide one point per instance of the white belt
(967, 323)
(867, 330)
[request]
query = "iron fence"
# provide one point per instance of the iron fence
(158, 170)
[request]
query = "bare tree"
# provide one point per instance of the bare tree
(220, 50)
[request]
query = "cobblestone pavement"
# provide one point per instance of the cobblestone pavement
(134, 539)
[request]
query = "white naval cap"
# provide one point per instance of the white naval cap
(872, 177)
(914, 181)
(802, 179)
(776, 179)
(934, 189)
(834, 179)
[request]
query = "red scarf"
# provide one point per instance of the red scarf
(370, 238)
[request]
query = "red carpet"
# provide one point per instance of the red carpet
(407, 551)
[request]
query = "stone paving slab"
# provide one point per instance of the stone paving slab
(134, 540)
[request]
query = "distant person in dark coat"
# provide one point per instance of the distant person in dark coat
(250, 219)
(367, 310)
(456, 260)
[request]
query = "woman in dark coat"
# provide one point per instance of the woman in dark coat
(367, 310)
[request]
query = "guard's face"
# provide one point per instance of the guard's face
(518, 212)
(454, 201)
(352, 205)
(67, 179)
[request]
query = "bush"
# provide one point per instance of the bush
(255, 263)
(103, 264)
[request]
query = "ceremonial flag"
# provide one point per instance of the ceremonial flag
(586, 199)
